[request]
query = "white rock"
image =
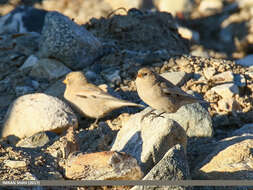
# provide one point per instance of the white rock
(148, 140)
(226, 90)
(33, 113)
(210, 6)
(246, 61)
(49, 69)
(15, 163)
(209, 72)
(188, 34)
(177, 78)
(226, 76)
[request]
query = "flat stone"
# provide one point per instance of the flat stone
(56, 89)
(148, 140)
(109, 165)
(33, 113)
(29, 63)
(229, 105)
(177, 78)
(226, 90)
(68, 42)
(49, 69)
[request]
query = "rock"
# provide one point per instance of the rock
(240, 80)
(250, 74)
(56, 89)
(68, 42)
(196, 121)
(112, 75)
(21, 90)
(36, 140)
(115, 4)
(226, 91)
(49, 69)
(247, 128)
(148, 140)
(174, 7)
(226, 76)
(209, 7)
(29, 63)
(229, 105)
(15, 163)
(231, 159)
(108, 165)
(173, 166)
(22, 19)
(33, 113)
(177, 78)
(247, 61)
(209, 72)
(188, 34)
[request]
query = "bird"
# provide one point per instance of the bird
(160, 94)
(90, 100)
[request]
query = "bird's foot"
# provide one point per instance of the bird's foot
(95, 124)
(147, 114)
(157, 115)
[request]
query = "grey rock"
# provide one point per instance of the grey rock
(240, 80)
(68, 42)
(112, 75)
(245, 129)
(148, 140)
(56, 89)
(36, 140)
(173, 166)
(49, 69)
(29, 63)
(177, 78)
(194, 119)
(21, 90)
(33, 113)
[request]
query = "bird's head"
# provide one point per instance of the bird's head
(145, 74)
(74, 77)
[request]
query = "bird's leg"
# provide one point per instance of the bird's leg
(147, 114)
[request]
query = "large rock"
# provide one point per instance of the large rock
(33, 113)
(230, 159)
(194, 119)
(173, 166)
(108, 165)
(68, 42)
(148, 140)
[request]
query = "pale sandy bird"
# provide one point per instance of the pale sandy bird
(161, 94)
(90, 100)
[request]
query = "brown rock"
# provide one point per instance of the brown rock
(109, 165)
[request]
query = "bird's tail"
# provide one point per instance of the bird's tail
(123, 103)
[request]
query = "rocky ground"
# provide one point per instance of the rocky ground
(204, 48)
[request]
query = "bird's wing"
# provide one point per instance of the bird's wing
(170, 89)
(92, 91)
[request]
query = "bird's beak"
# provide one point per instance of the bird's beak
(139, 75)
(64, 81)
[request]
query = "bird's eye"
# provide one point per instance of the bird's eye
(145, 74)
